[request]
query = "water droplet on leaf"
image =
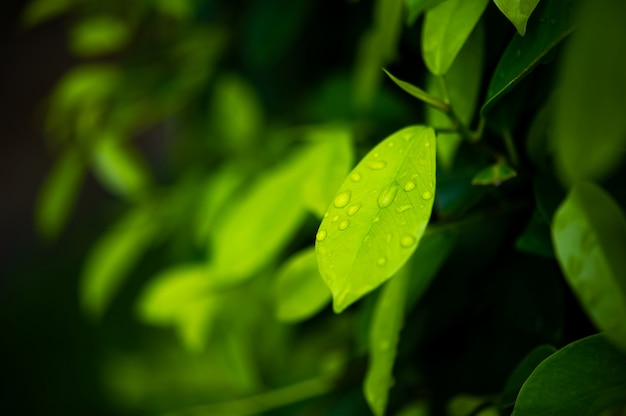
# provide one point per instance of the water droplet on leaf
(376, 164)
(342, 199)
(321, 235)
(403, 208)
(427, 195)
(343, 225)
(353, 209)
(407, 241)
(387, 195)
(381, 261)
(355, 177)
(409, 186)
(336, 218)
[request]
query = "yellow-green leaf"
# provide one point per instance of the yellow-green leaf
(446, 28)
(419, 93)
(517, 11)
(589, 235)
(300, 291)
(383, 341)
(378, 216)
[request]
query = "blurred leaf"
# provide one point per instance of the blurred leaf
(494, 174)
(417, 7)
(462, 83)
(517, 11)
(299, 289)
(58, 194)
(590, 127)
(383, 341)
(584, 378)
(179, 9)
(552, 22)
(237, 113)
(538, 145)
(120, 168)
(330, 157)
(38, 11)
(589, 234)
(523, 371)
(181, 296)
(536, 238)
(419, 408)
(113, 257)
(419, 93)
(465, 405)
(99, 35)
(378, 215)
(446, 28)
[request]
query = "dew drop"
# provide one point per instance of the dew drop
(403, 208)
(427, 144)
(376, 164)
(353, 209)
(375, 220)
(326, 214)
(342, 199)
(336, 218)
(409, 186)
(406, 136)
(391, 144)
(427, 195)
(321, 235)
(355, 177)
(407, 241)
(387, 195)
(388, 237)
(343, 225)
(381, 261)
(376, 154)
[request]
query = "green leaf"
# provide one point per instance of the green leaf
(416, 7)
(112, 258)
(383, 341)
(119, 167)
(517, 11)
(378, 215)
(494, 174)
(552, 22)
(589, 235)
(589, 125)
(181, 296)
(99, 35)
(419, 93)
(462, 88)
(38, 11)
(300, 291)
(58, 194)
(523, 371)
(584, 378)
(536, 238)
(446, 28)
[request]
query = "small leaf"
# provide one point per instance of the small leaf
(383, 341)
(589, 235)
(589, 124)
(113, 257)
(58, 194)
(419, 93)
(584, 378)
(99, 35)
(494, 174)
(378, 215)
(181, 296)
(552, 22)
(300, 290)
(446, 28)
(517, 11)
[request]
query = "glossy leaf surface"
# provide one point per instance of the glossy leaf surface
(584, 378)
(383, 341)
(589, 125)
(589, 234)
(378, 215)
(446, 28)
(517, 11)
(299, 288)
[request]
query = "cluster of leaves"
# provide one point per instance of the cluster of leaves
(451, 251)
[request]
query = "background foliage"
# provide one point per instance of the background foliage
(286, 228)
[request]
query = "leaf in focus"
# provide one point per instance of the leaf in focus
(416, 7)
(383, 341)
(419, 93)
(99, 35)
(181, 296)
(494, 174)
(446, 28)
(112, 258)
(583, 378)
(551, 23)
(58, 194)
(120, 168)
(517, 11)
(462, 82)
(300, 291)
(378, 215)
(522, 371)
(589, 235)
(589, 124)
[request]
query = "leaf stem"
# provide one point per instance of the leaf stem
(264, 401)
(510, 148)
